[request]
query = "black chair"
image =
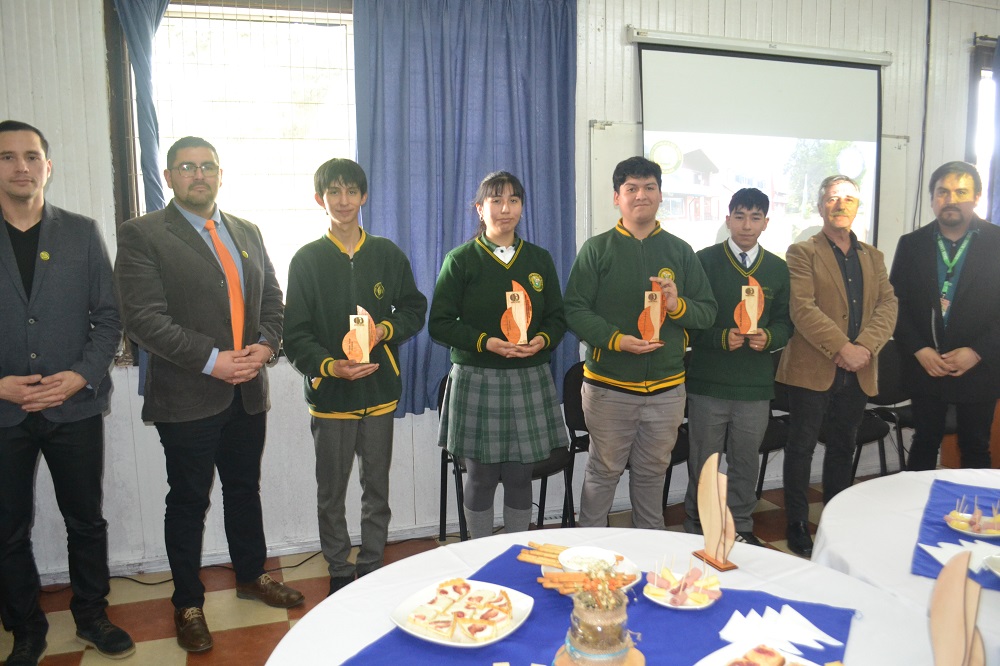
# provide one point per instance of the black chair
(776, 435)
(579, 438)
(560, 460)
(892, 392)
(872, 429)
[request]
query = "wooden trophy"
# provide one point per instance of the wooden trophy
(653, 315)
(517, 317)
(716, 520)
(955, 639)
(360, 339)
(750, 308)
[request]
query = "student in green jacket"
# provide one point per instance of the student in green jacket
(501, 412)
(730, 377)
(352, 404)
(633, 392)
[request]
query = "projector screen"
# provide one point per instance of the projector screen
(720, 121)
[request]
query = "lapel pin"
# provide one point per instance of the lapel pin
(244, 253)
(44, 255)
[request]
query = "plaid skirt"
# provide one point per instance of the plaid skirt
(501, 415)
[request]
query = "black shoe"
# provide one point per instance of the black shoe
(748, 537)
(28, 651)
(110, 641)
(338, 582)
(799, 541)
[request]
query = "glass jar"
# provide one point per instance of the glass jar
(599, 636)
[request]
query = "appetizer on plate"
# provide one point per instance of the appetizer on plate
(458, 612)
(975, 521)
(568, 577)
(693, 591)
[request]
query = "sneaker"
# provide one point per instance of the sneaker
(110, 641)
(28, 651)
(748, 537)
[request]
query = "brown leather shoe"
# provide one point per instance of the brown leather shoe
(192, 630)
(270, 591)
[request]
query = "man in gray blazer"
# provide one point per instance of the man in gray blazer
(60, 331)
(198, 292)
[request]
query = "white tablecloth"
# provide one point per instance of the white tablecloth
(869, 531)
(884, 631)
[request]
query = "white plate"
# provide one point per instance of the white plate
(665, 600)
(970, 533)
(993, 563)
(521, 605)
(622, 566)
(577, 558)
(734, 651)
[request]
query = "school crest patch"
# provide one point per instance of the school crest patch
(379, 290)
(666, 273)
(537, 283)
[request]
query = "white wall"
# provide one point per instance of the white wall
(54, 76)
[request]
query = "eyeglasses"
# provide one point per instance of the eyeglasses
(188, 169)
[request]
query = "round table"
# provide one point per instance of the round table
(869, 532)
(883, 631)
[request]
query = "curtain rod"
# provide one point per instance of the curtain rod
(983, 38)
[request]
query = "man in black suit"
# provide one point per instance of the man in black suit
(60, 331)
(198, 292)
(945, 275)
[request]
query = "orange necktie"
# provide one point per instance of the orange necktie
(232, 282)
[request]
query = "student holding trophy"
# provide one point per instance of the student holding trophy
(498, 305)
(351, 301)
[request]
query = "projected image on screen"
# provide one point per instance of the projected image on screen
(719, 121)
(702, 171)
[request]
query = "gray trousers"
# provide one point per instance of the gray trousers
(737, 426)
(338, 442)
(639, 430)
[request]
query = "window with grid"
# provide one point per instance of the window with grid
(271, 85)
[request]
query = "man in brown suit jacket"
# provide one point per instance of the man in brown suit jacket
(844, 310)
(205, 391)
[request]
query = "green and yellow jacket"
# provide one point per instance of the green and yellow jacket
(325, 286)
(605, 296)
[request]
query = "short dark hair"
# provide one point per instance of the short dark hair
(749, 198)
(956, 168)
(636, 167)
(340, 170)
(188, 142)
(18, 126)
(493, 185)
(829, 182)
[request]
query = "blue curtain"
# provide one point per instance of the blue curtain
(447, 91)
(140, 19)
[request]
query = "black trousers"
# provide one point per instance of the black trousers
(837, 412)
(74, 454)
(974, 420)
(233, 443)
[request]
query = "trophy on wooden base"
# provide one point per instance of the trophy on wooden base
(517, 317)
(653, 315)
(360, 339)
(716, 519)
(750, 308)
(955, 638)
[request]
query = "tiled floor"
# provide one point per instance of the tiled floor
(246, 632)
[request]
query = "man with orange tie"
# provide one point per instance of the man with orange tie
(198, 292)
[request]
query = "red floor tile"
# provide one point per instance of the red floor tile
(248, 646)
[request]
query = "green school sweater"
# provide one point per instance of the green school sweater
(741, 374)
(325, 286)
(470, 297)
(605, 296)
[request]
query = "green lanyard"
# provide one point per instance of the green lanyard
(949, 264)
